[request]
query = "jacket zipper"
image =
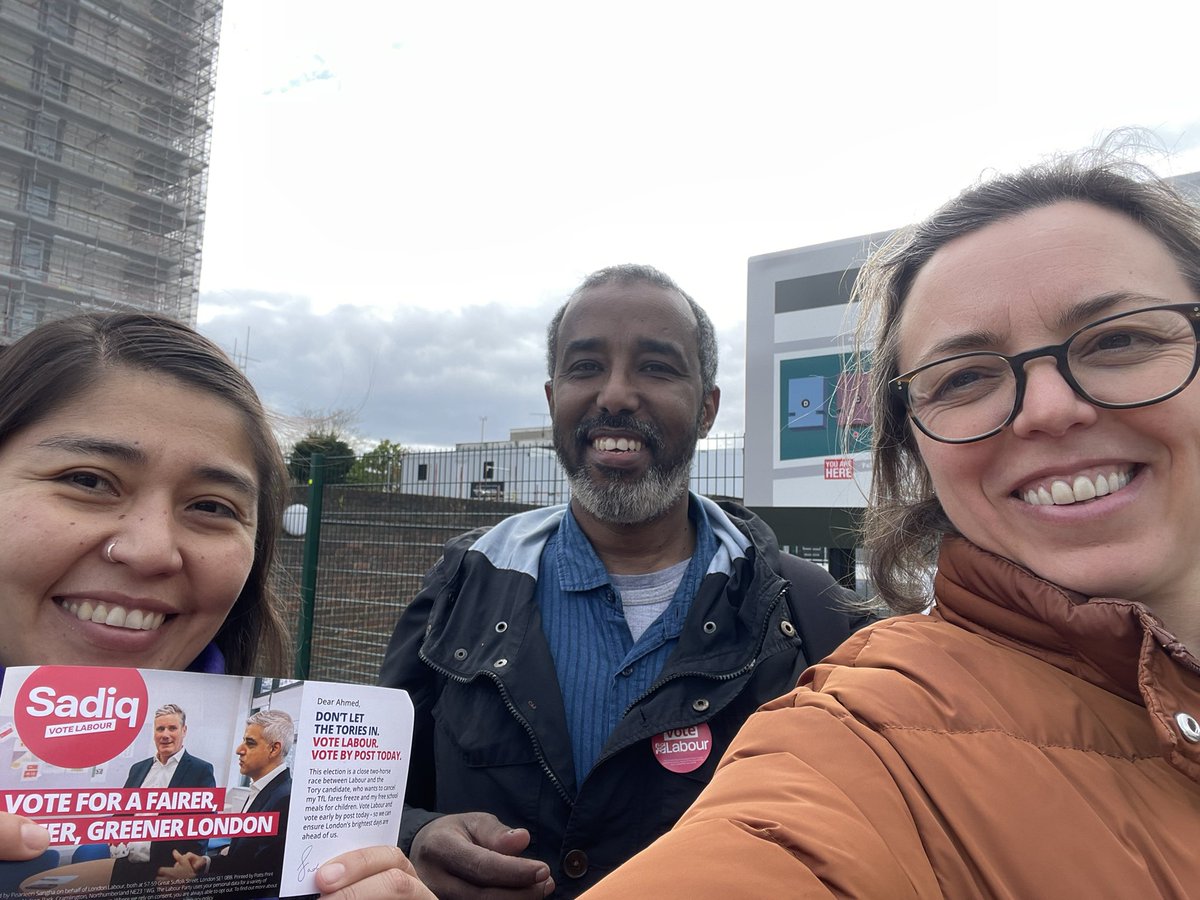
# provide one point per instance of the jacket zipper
(512, 709)
(728, 676)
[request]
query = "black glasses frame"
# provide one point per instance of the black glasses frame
(900, 384)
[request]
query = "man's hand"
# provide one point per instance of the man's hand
(473, 856)
(21, 838)
(376, 872)
(187, 865)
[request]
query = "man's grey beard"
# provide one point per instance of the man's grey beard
(625, 502)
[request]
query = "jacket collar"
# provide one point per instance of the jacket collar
(465, 644)
(1118, 645)
(580, 568)
(1098, 640)
(516, 543)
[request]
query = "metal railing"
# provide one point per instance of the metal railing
(372, 538)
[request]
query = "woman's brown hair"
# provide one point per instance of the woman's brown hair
(904, 522)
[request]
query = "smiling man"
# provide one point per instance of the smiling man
(170, 767)
(578, 671)
(262, 758)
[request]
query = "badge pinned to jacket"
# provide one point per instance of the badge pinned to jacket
(683, 749)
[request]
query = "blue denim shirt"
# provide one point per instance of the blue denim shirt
(601, 670)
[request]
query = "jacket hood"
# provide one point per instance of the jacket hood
(516, 543)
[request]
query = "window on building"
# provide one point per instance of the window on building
(489, 470)
(33, 256)
(45, 135)
(814, 291)
(57, 18)
(38, 195)
(422, 472)
(50, 77)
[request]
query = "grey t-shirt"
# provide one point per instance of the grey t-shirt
(645, 597)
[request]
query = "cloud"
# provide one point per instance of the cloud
(300, 80)
(416, 376)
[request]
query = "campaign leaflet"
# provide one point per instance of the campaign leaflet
(264, 780)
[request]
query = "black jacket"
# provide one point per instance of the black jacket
(259, 855)
(491, 731)
(191, 772)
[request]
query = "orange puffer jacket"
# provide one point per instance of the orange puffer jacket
(1021, 742)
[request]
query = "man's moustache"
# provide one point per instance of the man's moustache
(648, 433)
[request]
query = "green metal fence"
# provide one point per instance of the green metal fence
(375, 547)
(378, 539)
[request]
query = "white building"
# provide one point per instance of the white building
(802, 478)
(525, 469)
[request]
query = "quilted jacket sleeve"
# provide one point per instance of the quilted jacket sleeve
(806, 803)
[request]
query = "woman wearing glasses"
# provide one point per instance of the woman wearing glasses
(1038, 434)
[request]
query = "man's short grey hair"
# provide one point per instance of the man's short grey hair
(172, 709)
(276, 725)
(633, 273)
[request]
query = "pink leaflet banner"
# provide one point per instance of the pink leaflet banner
(160, 828)
(111, 801)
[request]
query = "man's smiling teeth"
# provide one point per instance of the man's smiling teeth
(608, 443)
(117, 616)
(1060, 493)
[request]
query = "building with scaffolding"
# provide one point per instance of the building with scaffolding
(105, 111)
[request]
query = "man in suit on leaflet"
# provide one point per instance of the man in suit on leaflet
(170, 767)
(261, 756)
(578, 671)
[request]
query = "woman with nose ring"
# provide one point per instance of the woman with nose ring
(140, 502)
(1036, 443)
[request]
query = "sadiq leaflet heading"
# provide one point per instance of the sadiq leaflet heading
(195, 802)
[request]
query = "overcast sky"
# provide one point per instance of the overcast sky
(401, 193)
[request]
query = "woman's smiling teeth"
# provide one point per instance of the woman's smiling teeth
(1079, 489)
(608, 443)
(116, 616)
